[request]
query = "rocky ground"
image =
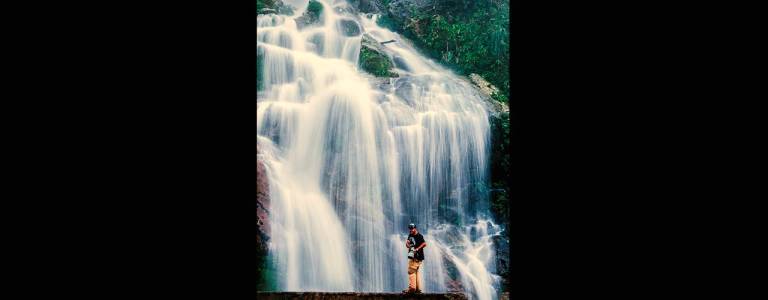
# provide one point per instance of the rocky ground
(345, 296)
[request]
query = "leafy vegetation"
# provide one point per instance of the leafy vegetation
(263, 4)
(266, 268)
(500, 165)
(276, 6)
(312, 15)
(470, 36)
(314, 7)
(375, 63)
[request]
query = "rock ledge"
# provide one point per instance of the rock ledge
(344, 296)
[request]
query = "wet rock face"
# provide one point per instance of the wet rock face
(312, 16)
(373, 58)
(349, 27)
(370, 42)
(366, 6)
(455, 285)
(485, 87)
(501, 244)
(350, 296)
(486, 91)
(265, 7)
(399, 114)
(410, 88)
(317, 41)
(262, 207)
(400, 63)
(401, 9)
(384, 85)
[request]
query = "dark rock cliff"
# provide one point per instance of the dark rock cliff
(262, 209)
(263, 267)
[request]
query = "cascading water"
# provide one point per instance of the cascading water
(352, 159)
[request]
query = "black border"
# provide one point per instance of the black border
(157, 145)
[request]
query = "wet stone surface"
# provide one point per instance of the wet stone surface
(349, 28)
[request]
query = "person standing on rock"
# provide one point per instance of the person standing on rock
(415, 244)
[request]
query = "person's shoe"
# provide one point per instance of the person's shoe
(409, 291)
(417, 291)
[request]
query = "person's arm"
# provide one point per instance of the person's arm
(407, 244)
(424, 244)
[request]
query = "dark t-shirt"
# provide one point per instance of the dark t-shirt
(417, 240)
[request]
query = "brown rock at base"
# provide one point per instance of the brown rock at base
(262, 206)
(455, 286)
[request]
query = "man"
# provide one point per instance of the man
(415, 243)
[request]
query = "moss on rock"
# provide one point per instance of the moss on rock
(373, 60)
(315, 7)
(376, 63)
(273, 7)
(313, 15)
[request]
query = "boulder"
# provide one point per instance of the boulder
(266, 7)
(486, 91)
(267, 11)
(317, 41)
(400, 63)
(501, 244)
(367, 6)
(349, 27)
(312, 16)
(486, 87)
(455, 286)
(411, 88)
(373, 58)
(371, 43)
(383, 84)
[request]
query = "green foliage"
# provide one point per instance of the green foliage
(266, 271)
(468, 36)
(501, 165)
(387, 22)
(264, 4)
(277, 6)
(499, 97)
(260, 4)
(315, 7)
(499, 202)
(375, 63)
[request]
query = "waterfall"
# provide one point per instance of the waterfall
(351, 159)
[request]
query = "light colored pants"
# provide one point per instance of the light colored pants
(413, 273)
